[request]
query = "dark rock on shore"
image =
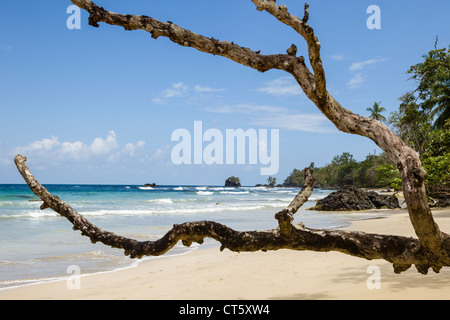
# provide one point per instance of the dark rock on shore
(232, 182)
(352, 198)
(439, 196)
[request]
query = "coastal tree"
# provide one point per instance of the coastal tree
(431, 248)
(375, 112)
(271, 181)
(433, 89)
(411, 123)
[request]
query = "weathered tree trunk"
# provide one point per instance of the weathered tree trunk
(430, 250)
(402, 252)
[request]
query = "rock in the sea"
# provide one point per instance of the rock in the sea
(152, 185)
(352, 198)
(232, 182)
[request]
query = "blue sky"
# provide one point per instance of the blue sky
(99, 105)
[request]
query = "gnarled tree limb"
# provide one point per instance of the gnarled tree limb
(402, 252)
(286, 216)
(430, 250)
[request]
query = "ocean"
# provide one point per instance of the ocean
(38, 246)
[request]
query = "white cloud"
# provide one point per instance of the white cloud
(316, 123)
(73, 149)
(284, 86)
(104, 146)
(176, 90)
(337, 57)
(200, 88)
(159, 153)
(179, 90)
(131, 149)
(279, 117)
(104, 149)
(41, 146)
(245, 109)
(360, 65)
(4, 159)
(356, 81)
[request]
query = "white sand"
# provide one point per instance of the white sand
(284, 274)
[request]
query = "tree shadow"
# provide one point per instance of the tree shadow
(410, 279)
(304, 296)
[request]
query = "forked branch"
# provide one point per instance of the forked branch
(431, 249)
(401, 251)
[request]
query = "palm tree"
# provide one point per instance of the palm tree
(375, 112)
(438, 104)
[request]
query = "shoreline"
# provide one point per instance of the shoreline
(207, 273)
(133, 264)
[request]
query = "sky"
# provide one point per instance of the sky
(100, 105)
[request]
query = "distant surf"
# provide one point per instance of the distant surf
(37, 244)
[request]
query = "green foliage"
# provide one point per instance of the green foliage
(436, 159)
(375, 112)
(439, 142)
(427, 108)
(295, 179)
(345, 170)
(422, 121)
(388, 176)
(234, 179)
(345, 167)
(411, 123)
(423, 118)
(433, 90)
(271, 181)
(366, 173)
(438, 170)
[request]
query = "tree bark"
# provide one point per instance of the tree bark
(402, 252)
(430, 250)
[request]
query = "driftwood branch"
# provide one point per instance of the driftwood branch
(286, 216)
(431, 249)
(402, 252)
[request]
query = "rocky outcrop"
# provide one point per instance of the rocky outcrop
(352, 198)
(151, 185)
(232, 182)
(439, 196)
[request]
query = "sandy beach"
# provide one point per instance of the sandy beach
(210, 274)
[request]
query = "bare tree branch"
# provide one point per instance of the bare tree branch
(286, 216)
(407, 160)
(302, 27)
(245, 56)
(401, 251)
(187, 38)
(431, 248)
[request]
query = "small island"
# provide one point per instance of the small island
(151, 185)
(233, 182)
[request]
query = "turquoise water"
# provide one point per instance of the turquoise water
(40, 245)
